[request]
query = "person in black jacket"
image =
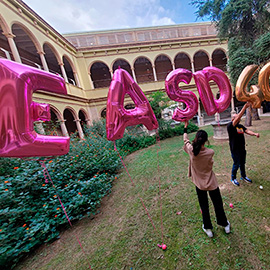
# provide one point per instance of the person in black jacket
(236, 133)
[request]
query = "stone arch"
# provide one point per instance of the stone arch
(52, 58)
(53, 127)
(100, 74)
(182, 60)
(122, 63)
(29, 33)
(163, 66)
(201, 60)
(103, 113)
(143, 69)
(219, 59)
(27, 45)
(70, 116)
(83, 116)
(70, 69)
(5, 50)
(4, 26)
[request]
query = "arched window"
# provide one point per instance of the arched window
(103, 113)
(69, 71)
(70, 123)
(51, 59)
(26, 47)
(219, 59)
(163, 67)
(5, 51)
(201, 60)
(182, 60)
(82, 117)
(100, 75)
(52, 127)
(143, 70)
(122, 64)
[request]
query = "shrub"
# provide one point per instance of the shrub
(30, 210)
(31, 213)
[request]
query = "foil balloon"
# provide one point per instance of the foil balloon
(117, 117)
(254, 96)
(263, 81)
(202, 79)
(18, 112)
(177, 94)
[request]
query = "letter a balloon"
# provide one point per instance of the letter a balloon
(18, 112)
(117, 117)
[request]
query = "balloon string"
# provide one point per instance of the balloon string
(115, 148)
(46, 176)
(159, 185)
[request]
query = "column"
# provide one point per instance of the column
(192, 67)
(173, 66)
(154, 72)
(63, 128)
(88, 122)
(43, 60)
(211, 63)
(63, 72)
(76, 78)
(91, 82)
(217, 117)
(111, 71)
(200, 117)
(79, 128)
(39, 127)
(13, 47)
(133, 74)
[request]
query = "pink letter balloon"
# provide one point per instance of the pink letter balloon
(202, 78)
(18, 112)
(117, 117)
(175, 93)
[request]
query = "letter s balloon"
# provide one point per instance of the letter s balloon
(18, 112)
(117, 117)
(175, 93)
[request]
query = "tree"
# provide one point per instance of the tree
(159, 101)
(243, 23)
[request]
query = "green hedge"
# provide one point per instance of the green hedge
(31, 213)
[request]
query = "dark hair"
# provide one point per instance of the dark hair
(200, 139)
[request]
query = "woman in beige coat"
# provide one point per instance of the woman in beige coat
(202, 175)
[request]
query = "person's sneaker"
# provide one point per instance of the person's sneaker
(207, 231)
(228, 228)
(246, 179)
(235, 182)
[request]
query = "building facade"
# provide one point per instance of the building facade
(87, 61)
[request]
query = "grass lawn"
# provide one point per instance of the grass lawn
(121, 235)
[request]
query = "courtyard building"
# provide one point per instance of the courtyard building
(87, 61)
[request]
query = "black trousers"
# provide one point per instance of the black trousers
(218, 206)
(239, 160)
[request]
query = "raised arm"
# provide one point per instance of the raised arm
(185, 131)
(251, 133)
(238, 116)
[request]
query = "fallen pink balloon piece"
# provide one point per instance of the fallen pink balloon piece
(163, 246)
(179, 213)
(231, 205)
